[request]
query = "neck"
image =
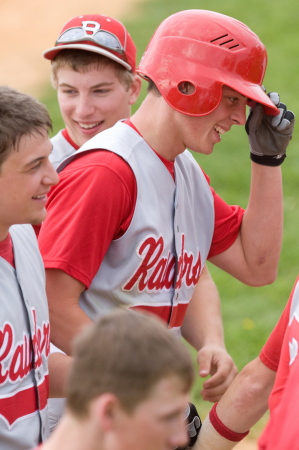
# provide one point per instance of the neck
(4, 229)
(73, 434)
(156, 121)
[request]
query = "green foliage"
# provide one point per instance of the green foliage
(249, 314)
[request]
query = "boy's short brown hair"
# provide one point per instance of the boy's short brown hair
(127, 354)
(82, 61)
(20, 114)
(151, 87)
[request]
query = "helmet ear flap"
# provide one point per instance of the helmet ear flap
(189, 98)
(186, 86)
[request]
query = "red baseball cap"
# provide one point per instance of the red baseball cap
(99, 34)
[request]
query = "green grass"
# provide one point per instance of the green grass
(249, 314)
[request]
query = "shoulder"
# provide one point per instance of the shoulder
(61, 149)
(90, 162)
(187, 158)
(58, 137)
(294, 307)
(23, 231)
(99, 174)
(25, 248)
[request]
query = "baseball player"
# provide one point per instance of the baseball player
(131, 405)
(96, 84)
(252, 392)
(96, 87)
(282, 429)
(141, 218)
(95, 79)
(25, 179)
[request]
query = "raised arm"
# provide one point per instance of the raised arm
(253, 258)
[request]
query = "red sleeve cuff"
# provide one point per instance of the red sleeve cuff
(69, 270)
(222, 429)
(273, 365)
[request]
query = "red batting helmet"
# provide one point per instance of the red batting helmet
(208, 50)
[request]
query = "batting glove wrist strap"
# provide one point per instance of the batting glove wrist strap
(269, 136)
(266, 160)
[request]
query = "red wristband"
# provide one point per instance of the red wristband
(222, 429)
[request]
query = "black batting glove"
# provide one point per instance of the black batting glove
(269, 136)
(193, 425)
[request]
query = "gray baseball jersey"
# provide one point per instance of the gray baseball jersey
(156, 264)
(161, 208)
(61, 149)
(25, 345)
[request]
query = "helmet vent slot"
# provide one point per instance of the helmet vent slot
(226, 41)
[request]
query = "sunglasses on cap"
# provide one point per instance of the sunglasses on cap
(90, 31)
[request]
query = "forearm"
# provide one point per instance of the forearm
(59, 366)
(262, 225)
(246, 400)
(243, 404)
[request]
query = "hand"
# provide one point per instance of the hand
(269, 135)
(215, 360)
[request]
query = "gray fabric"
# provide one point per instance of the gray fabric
(177, 218)
(61, 149)
(24, 311)
(56, 409)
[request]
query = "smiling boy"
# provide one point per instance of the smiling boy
(141, 218)
(26, 176)
(96, 84)
(94, 72)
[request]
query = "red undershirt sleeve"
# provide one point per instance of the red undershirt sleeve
(228, 219)
(270, 353)
(92, 205)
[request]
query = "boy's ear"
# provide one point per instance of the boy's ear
(186, 88)
(135, 89)
(106, 409)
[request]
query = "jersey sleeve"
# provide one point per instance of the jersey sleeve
(270, 353)
(282, 429)
(92, 205)
(228, 219)
(281, 432)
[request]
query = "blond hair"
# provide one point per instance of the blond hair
(125, 353)
(83, 61)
